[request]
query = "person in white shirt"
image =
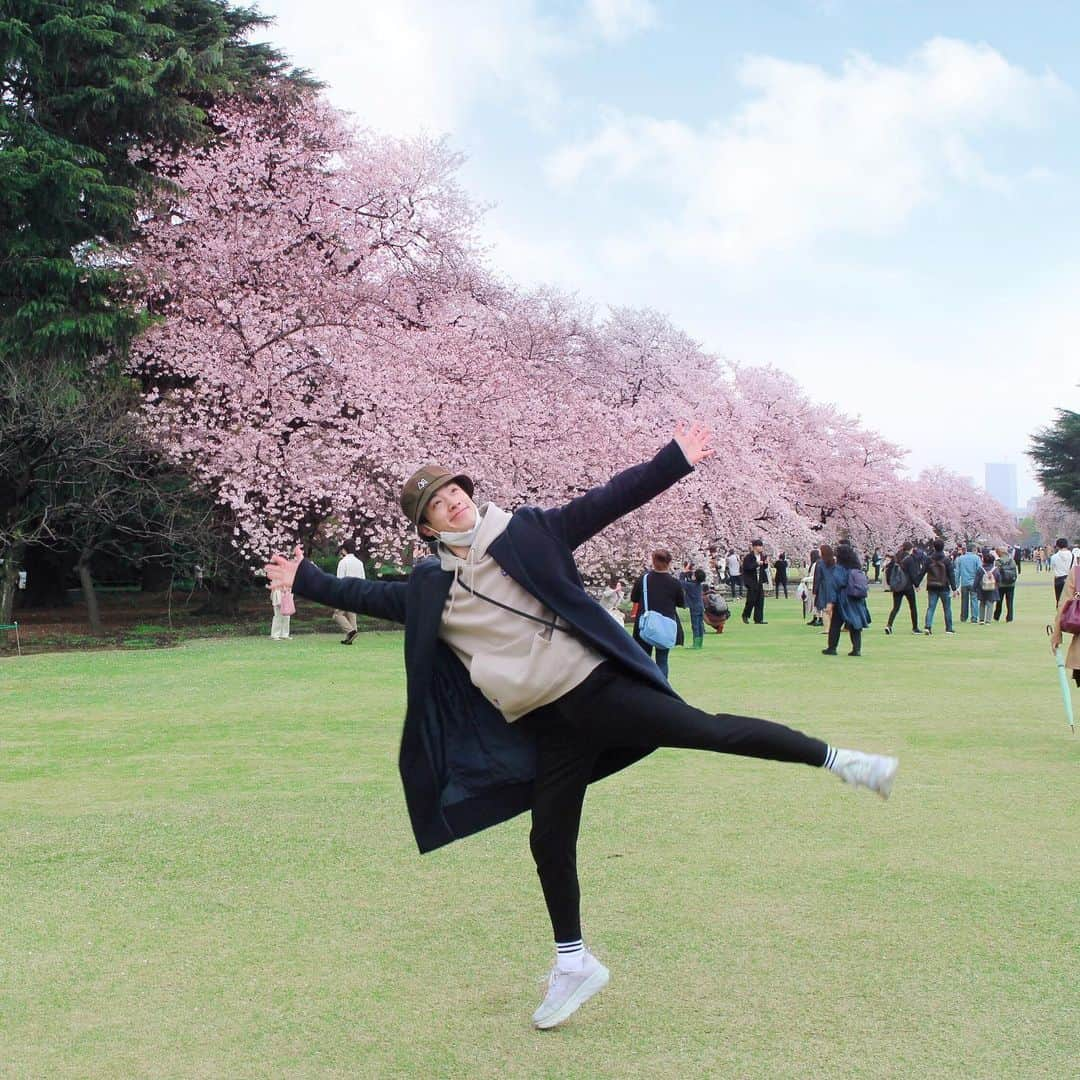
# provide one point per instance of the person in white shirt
(1061, 563)
(348, 566)
(734, 571)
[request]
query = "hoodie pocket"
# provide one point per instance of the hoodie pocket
(514, 681)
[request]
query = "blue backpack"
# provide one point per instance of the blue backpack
(858, 585)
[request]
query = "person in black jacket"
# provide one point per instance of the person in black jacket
(755, 576)
(940, 576)
(522, 690)
(665, 595)
(780, 566)
(903, 585)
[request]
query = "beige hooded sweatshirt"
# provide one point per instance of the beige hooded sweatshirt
(516, 663)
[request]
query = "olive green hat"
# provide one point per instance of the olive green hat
(419, 488)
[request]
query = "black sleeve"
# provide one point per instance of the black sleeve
(383, 599)
(588, 514)
(635, 592)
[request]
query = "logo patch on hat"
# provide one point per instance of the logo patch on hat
(421, 483)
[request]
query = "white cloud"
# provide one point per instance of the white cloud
(812, 153)
(422, 65)
(618, 19)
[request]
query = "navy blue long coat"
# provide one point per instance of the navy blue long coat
(463, 767)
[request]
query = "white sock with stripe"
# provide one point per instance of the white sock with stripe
(569, 955)
(830, 759)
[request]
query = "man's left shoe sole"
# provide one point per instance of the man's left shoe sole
(591, 986)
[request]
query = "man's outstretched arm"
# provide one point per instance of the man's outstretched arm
(382, 599)
(588, 514)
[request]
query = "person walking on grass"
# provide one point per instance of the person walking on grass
(657, 590)
(967, 566)
(940, 576)
(846, 591)
(348, 566)
(986, 584)
(902, 578)
(522, 691)
(1061, 562)
(692, 586)
(826, 561)
(780, 569)
(755, 576)
(1072, 654)
(1008, 572)
(734, 574)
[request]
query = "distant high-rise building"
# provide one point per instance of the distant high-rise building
(1001, 483)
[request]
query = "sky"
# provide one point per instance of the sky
(879, 197)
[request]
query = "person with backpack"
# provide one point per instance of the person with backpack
(1008, 572)
(657, 590)
(846, 590)
(986, 583)
(940, 578)
(967, 566)
(717, 611)
(901, 578)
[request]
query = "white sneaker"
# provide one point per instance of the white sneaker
(873, 771)
(567, 991)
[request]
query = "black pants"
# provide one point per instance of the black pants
(735, 581)
(781, 583)
(1005, 596)
(1059, 586)
(610, 709)
(755, 602)
(897, 598)
(835, 626)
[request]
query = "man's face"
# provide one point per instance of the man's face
(449, 510)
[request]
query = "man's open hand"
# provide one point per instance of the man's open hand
(694, 441)
(281, 572)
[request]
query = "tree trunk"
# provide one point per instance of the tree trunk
(9, 580)
(86, 580)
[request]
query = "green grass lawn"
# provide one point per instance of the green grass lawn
(207, 871)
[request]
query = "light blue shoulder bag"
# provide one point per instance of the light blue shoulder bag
(653, 628)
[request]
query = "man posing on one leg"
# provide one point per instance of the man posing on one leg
(522, 690)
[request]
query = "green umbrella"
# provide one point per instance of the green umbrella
(1063, 678)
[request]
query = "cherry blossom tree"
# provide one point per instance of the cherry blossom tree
(960, 511)
(1054, 519)
(326, 323)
